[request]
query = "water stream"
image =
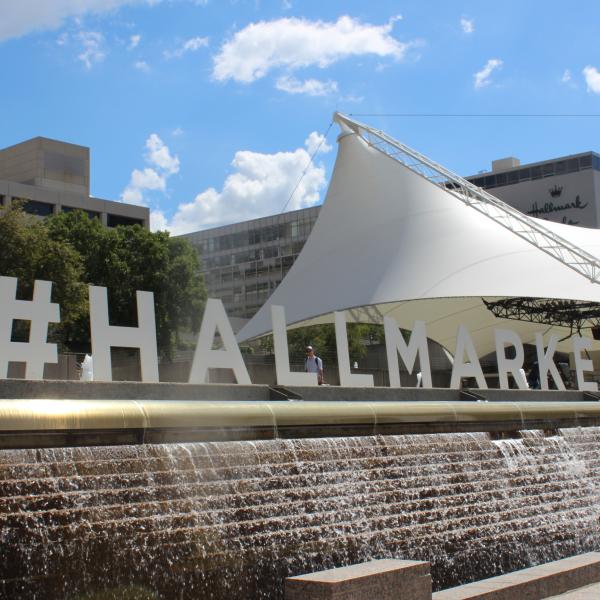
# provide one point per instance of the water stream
(231, 520)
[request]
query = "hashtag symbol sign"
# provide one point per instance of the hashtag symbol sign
(39, 312)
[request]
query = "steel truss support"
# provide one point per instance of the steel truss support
(547, 311)
(520, 224)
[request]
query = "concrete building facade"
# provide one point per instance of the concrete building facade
(244, 262)
(50, 176)
(565, 190)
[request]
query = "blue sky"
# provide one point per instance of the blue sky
(208, 111)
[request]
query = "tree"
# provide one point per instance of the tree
(126, 259)
(29, 253)
(322, 339)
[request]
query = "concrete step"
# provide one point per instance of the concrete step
(535, 583)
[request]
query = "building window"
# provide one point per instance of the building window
(2, 199)
(270, 252)
(92, 214)
(490, 181)
(525, 174)
(536, 172)
(116, 220)
(35, 207)
(548, 169)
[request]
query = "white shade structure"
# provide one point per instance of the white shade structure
(390, 242)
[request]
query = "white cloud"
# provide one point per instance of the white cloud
(134, 41)
(160, 156)
(19, 17)
(154, 177)
(260, 185)
(294, 43)
(191, 45)
(592, 79)
(316, 141)
(483, 77)
(158, 221)
(310, 87)
(468, 25)
(141, 65)
(148, 179)
(566, 77)
(92, 48)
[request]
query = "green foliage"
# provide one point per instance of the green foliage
(73, 251)
(30, 253)
(322, 339)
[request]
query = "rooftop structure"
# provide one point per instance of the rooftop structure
(50, 176)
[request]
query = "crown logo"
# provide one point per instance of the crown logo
(556, 191)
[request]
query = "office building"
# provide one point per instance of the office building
(50, 176)
(565, 190)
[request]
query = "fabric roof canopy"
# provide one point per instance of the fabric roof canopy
(390, 242)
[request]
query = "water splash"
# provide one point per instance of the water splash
(233, 519)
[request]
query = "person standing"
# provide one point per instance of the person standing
(313, 364)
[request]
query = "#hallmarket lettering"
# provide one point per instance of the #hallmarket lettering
(40, 311)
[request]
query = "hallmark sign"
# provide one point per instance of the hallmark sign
(40, 311)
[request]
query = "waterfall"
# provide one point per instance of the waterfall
(231, 520)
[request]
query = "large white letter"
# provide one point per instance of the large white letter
(395, 344)
(104, 335)
(581, 364)
(347, 378)
(40, 311)
(215, 319)
(510, 365)
(546, 361)
(469, 369)
(282, 358)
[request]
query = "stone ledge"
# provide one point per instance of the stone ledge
(382, 579)
(534, 583)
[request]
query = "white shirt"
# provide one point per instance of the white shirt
(313, 364)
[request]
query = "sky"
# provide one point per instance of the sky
(211, 112)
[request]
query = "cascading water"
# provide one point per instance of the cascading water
(233, 519)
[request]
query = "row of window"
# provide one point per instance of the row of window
(45, 209)
(240, 258)
(270, 233)
(559, 167)
(262, 286)
(252, 269)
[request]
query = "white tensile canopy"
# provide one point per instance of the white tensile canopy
(390, 242)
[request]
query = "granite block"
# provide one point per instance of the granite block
(382, 579)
